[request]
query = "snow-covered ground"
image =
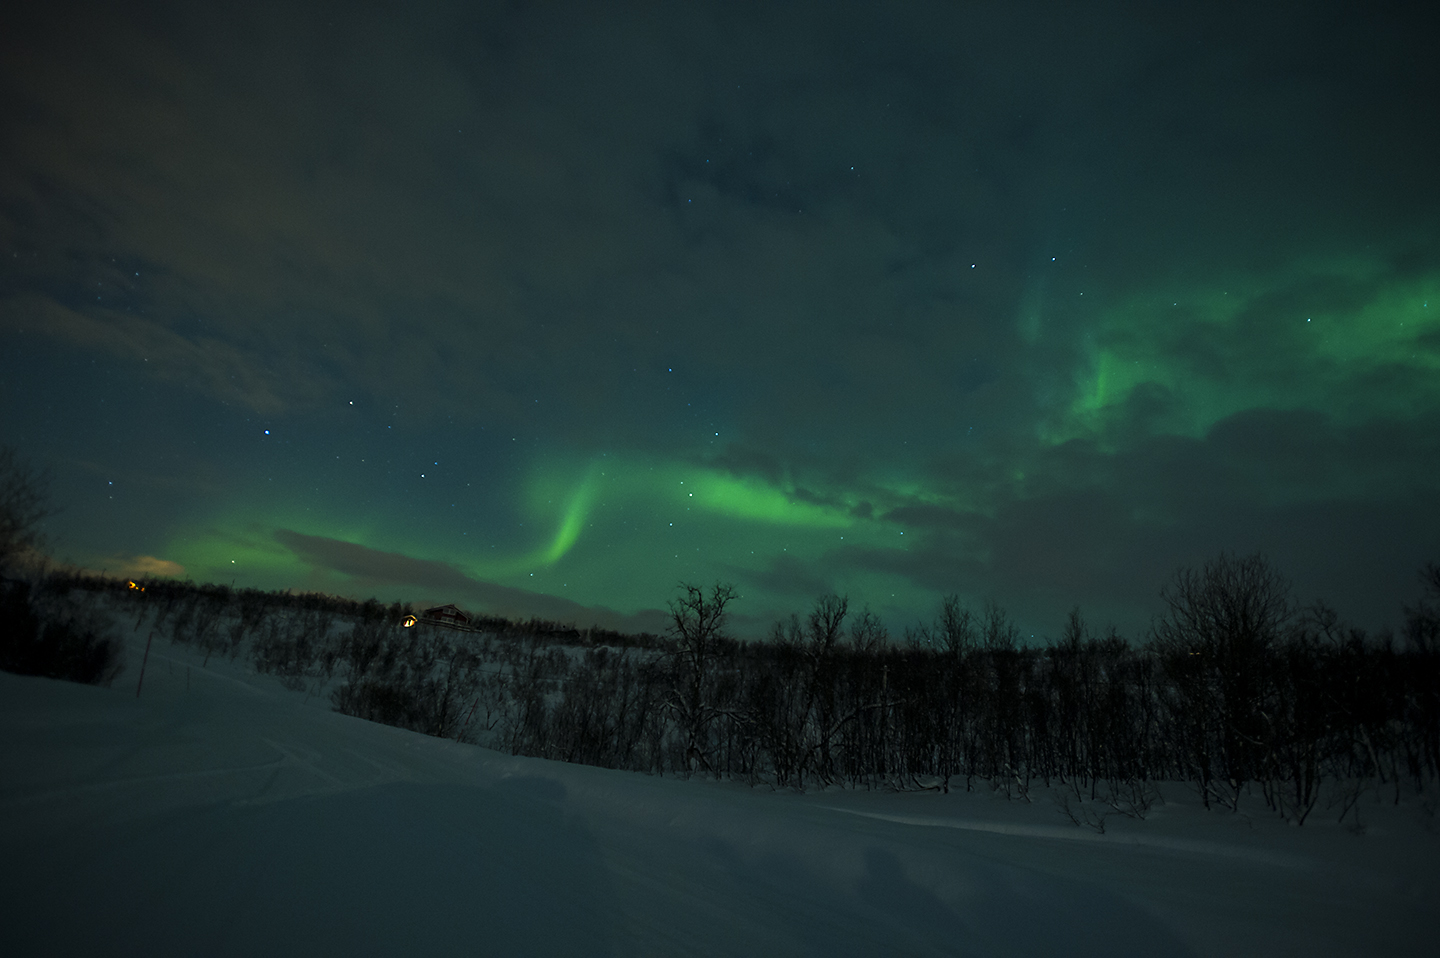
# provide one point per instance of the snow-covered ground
(220, 814)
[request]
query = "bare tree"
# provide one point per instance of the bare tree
(868, 634)
(999, 633)
(956, 627)
(1422, 634)
(825, 623)
(1422, 621)
(697, 623)
(1217, 635)
(24, 503)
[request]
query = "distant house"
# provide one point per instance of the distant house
(447, 615)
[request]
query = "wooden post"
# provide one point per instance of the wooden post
(145, 659)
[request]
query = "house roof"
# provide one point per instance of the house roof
(447, 611)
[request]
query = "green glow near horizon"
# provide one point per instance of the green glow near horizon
(553, 496)
(756, 501)
(608, 538)
(620, 526)
(660, 485)
(572, 520)
(215, 552)
(620, 529)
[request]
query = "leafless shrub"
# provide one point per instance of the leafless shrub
(1078, 812)
(49, 636)
(24, 504)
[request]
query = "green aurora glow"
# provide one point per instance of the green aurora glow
(1018, 302)
(613, 530)
(1201, 348)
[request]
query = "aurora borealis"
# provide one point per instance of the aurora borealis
(543, 308)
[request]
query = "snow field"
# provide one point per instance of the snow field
(222, 814)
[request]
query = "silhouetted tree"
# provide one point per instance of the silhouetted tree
(24, 503)
(1422, 638)
(697, 623)
(46, 636)
(1216, 636)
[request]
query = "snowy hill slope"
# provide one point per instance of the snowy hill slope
(220, 814)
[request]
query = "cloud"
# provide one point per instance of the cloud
(151, 566)
(1020, 279)
(391, 212)
(370, 568)
(788, 577)
(1106, 528)
(205, 364)
(137, 566)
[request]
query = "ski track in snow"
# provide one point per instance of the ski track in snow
(1084, 835)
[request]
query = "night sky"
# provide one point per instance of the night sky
(543, 308)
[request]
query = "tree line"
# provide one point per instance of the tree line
(1235, 689)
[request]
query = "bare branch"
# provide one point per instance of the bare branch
(24, 504)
